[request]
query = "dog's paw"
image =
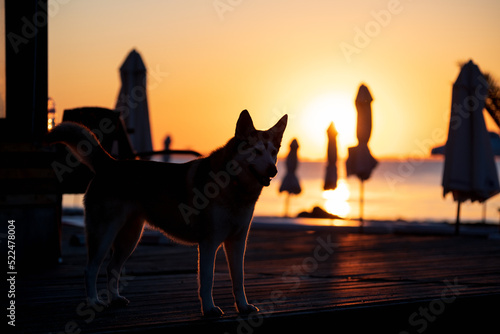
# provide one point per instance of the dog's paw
(97, 304)
(247, 309)
(119, 301)
(213, 312)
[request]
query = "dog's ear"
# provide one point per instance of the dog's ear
(244, 126)
(277, 130)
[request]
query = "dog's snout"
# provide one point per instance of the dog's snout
(272, 171)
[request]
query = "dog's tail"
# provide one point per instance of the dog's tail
(82, 143)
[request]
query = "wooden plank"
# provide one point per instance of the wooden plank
(363, 271)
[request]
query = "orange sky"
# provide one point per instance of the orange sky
(208, 60)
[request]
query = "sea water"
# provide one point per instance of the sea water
(397, 190)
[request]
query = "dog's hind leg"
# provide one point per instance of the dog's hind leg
(98, 246)
(123, 246)
(101, 227)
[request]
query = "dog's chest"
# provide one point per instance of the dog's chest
(232, 217)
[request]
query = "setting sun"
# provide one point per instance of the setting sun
(336, 200)
(324, 109)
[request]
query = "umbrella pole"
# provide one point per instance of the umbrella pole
(287, 202)
(457, 223)
(484, 212)
(361, 202)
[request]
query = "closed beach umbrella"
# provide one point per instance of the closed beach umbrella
(360, 162)
(133, 103)
(290, 183)
(364, 109)
(331, 168)
(469, 167)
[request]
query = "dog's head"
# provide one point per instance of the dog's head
(258, 150)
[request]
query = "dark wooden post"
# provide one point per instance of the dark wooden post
(29, 192)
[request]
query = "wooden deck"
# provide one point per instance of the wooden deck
(301, 281)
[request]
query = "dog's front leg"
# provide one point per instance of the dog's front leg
(206, 262)
(235, 255)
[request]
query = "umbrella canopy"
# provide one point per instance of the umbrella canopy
(469, 168)
(133, 103)
(290, 182)
(331, 168)
(363, 106)
(360, 162)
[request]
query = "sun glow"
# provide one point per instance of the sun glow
(336, 200)
(324, 109)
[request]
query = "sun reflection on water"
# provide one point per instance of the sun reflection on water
(336, 200)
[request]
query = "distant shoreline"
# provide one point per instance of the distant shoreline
(487, 230)
(377, 226)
